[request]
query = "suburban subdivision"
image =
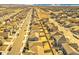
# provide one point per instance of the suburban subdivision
(39, 30)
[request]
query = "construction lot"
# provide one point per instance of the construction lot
(39, 30)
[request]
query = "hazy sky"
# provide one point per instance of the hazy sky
(38, 1)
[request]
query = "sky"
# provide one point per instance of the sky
(39, 2)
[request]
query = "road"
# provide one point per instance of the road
(18, 45)
(67, 33)
(9, 15)
(15, 50)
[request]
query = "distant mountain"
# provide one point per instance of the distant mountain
(25, 5)
(42, 4)
(65, 5)
(55, 4)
